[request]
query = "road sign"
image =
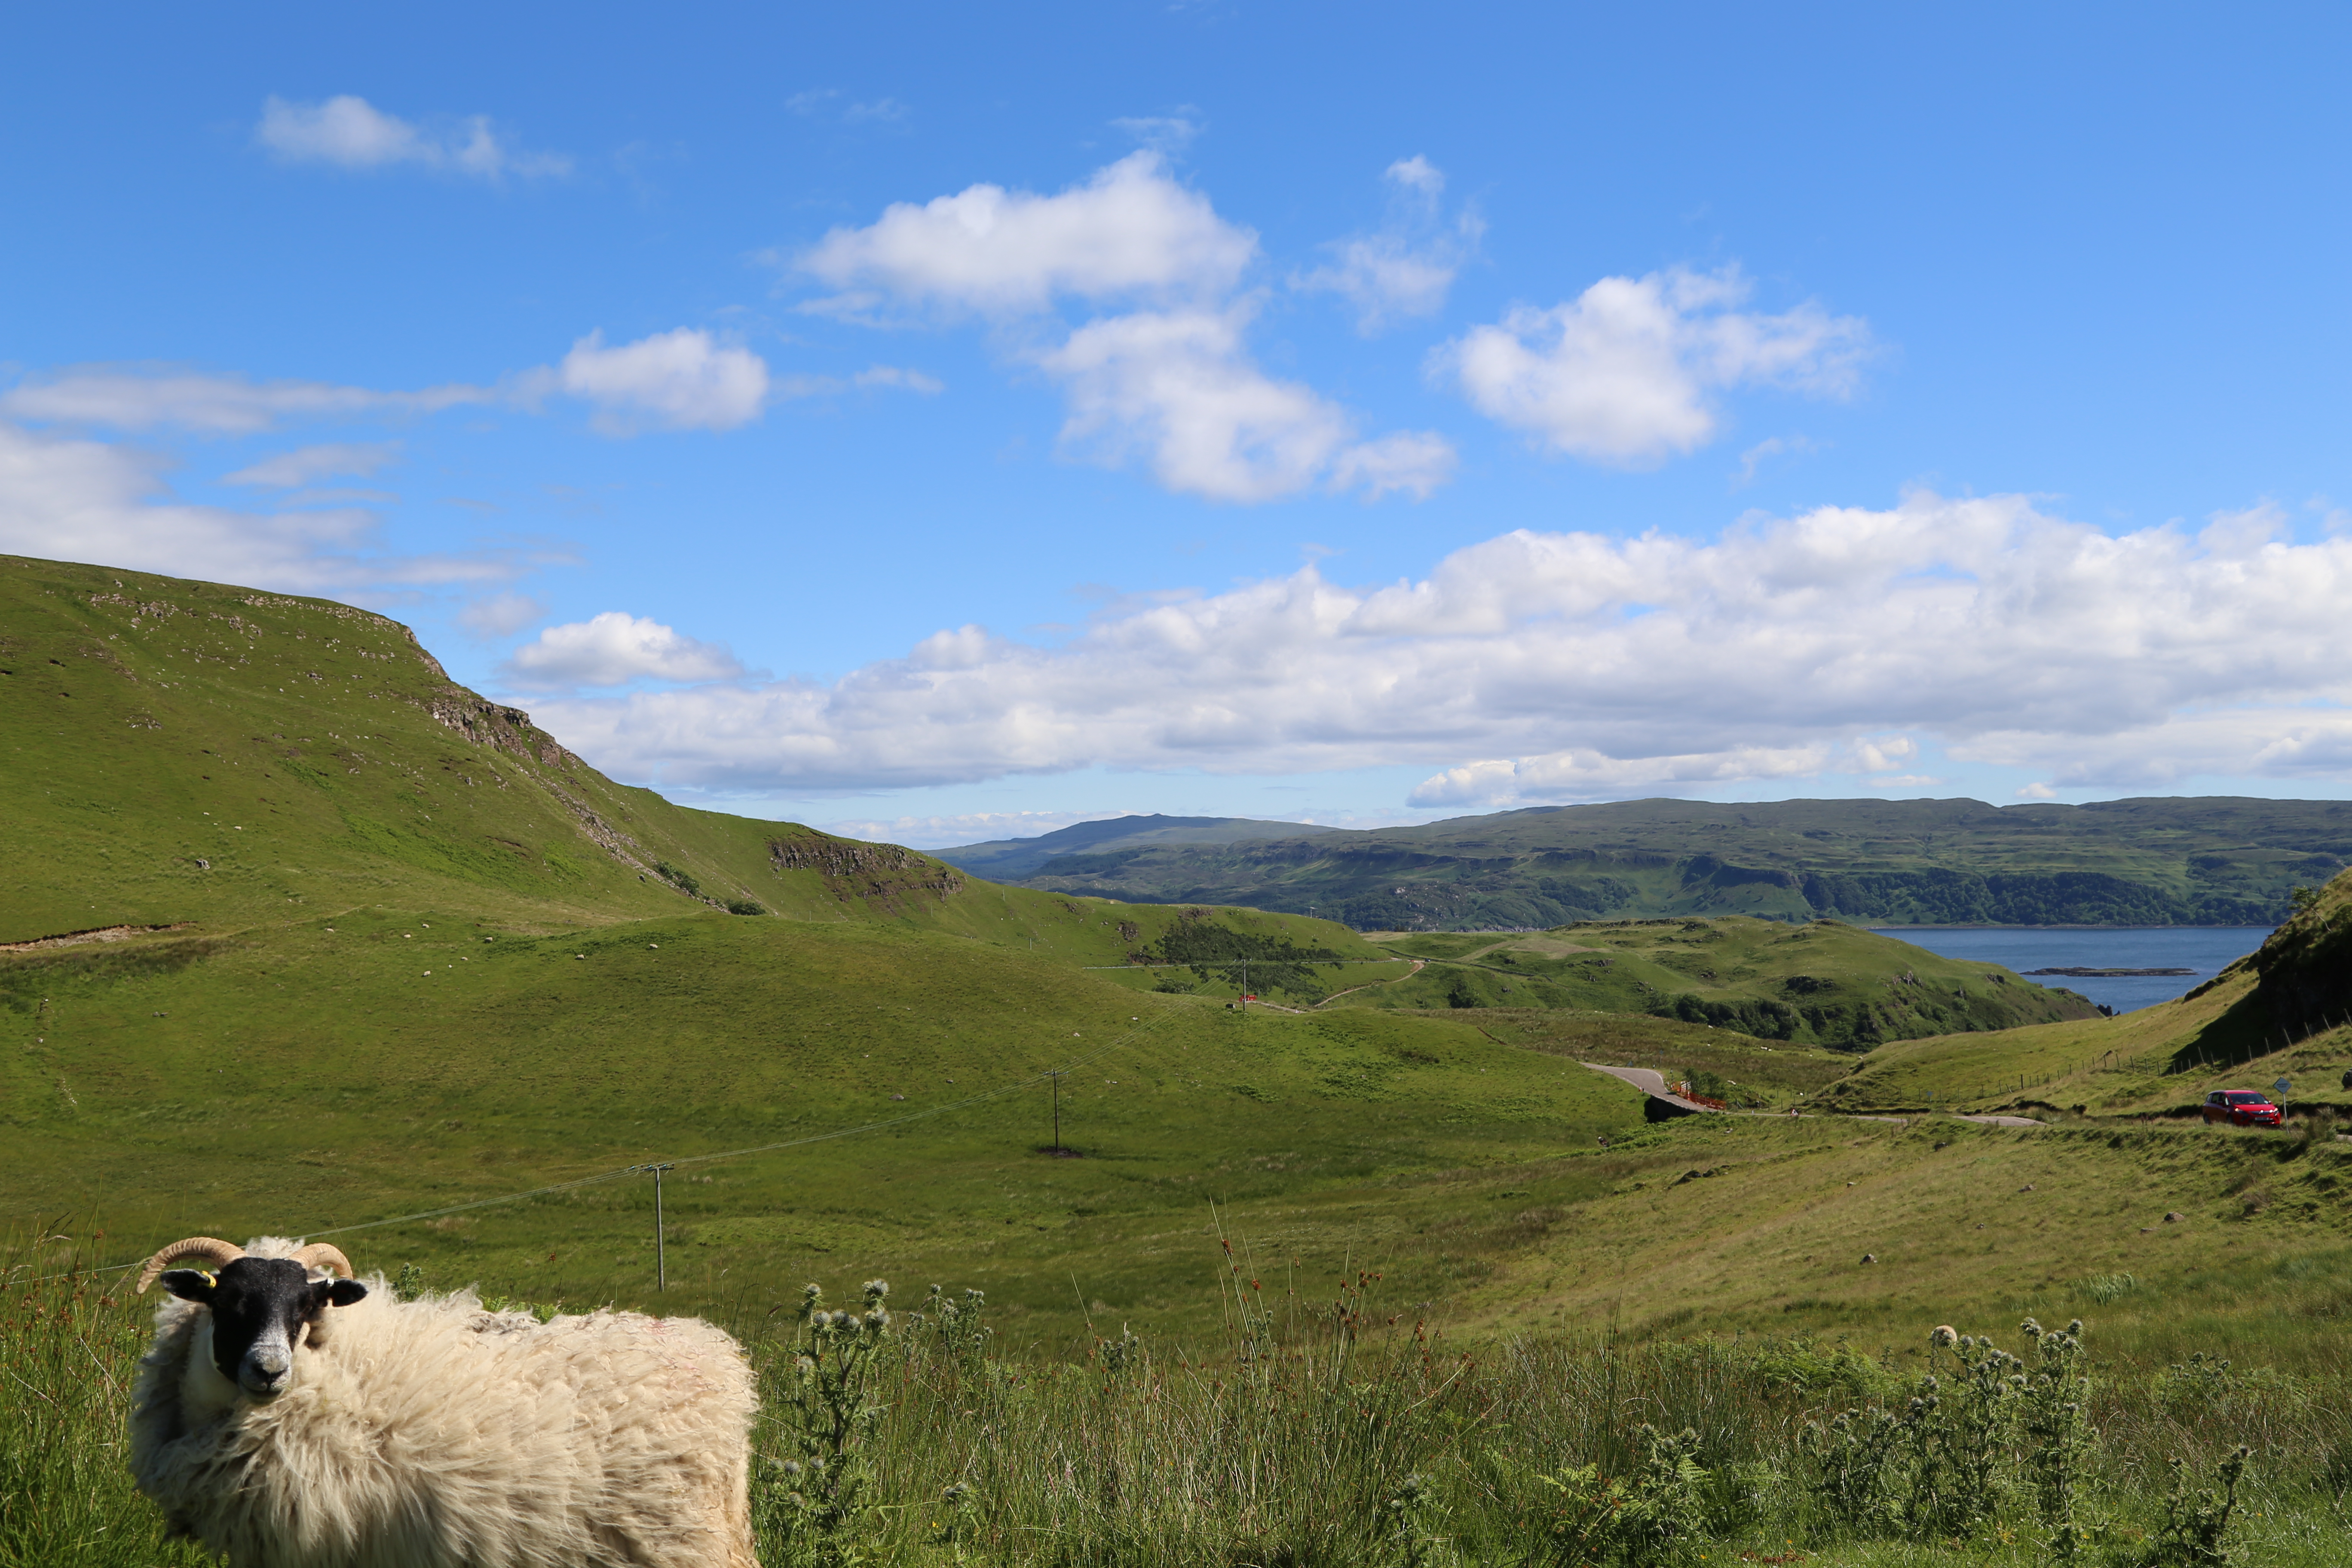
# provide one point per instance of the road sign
(2280, 1086)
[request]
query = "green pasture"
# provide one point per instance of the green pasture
(325, 1074)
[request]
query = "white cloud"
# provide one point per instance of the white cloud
(131, 398)
(1880, 754)
(613, 649)
(1752, 461)
(2037, 790)
(1169, 378)
(1415, 461)
(307, 465)
(680, 379)
(1406, 268)
(1129, 230)
(500, 614)
(1581, 773)
(1626, 372)
(1557, 667)
(74, 500)
(879, 377)
(1180, 387)
(352, 134)
(945, 832)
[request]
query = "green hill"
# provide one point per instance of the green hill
(195, 756)
(2218, 862)
(1824, 984)
(1087, 844)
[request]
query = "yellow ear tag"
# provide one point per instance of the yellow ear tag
(211, 1278)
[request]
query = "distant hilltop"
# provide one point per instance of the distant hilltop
(1010, 859)
(2213, 860)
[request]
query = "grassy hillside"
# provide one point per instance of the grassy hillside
(336, 1071)
(2284, 1011)
(2219, 861)
(1824, 984)
(191, 755)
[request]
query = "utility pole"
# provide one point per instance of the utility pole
(661, 1251)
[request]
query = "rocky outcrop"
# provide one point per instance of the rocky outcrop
(880, 873)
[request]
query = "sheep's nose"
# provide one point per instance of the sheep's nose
(265, 1373)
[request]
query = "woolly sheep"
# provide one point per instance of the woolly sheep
(291, 1420)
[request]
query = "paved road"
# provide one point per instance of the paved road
(1653, 1084)
(1650, 1082)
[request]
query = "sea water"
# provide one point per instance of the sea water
(2205, 950)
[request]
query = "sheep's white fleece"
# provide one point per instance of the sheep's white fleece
(435, 1434)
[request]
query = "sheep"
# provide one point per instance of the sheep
(290, 1418)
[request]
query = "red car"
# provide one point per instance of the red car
(2241, 1108)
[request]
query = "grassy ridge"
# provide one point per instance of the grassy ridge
(1824, 984)
(2216, 861)
(182, 752)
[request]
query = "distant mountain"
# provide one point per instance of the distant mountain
(1095, 846)
(2217, 860)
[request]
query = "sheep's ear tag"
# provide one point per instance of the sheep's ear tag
(212, 1280)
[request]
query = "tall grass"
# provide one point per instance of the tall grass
(68, 1350)
(1318, 1431)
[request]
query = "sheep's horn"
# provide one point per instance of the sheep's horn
(324, 1255)
(211, 1250)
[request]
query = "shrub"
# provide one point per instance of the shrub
(1950, 1439)
(2054, 1417)
(814, 1478)
(746, 907)
(2196, 1527)
(1849, 1484)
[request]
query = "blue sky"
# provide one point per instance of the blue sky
(941, 423)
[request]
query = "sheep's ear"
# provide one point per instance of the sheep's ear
(344, 1292)
(189, 1284)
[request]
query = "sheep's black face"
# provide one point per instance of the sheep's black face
(260, 1307)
